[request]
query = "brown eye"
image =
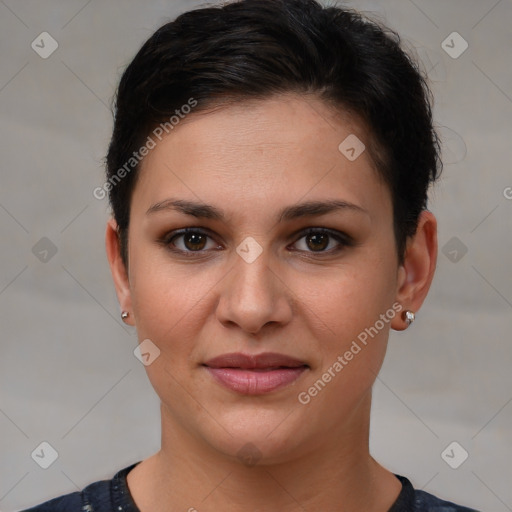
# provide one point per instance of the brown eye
(317, 241)
(188, 241)
(322, 241)
(194, 241)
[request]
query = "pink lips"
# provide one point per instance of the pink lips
(255, 374)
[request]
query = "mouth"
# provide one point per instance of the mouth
(255, 374)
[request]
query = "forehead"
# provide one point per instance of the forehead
(261, 149)
(286, 121)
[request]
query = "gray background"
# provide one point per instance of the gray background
(68, 375)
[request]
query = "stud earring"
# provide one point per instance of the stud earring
(125, 315)
(408, 317)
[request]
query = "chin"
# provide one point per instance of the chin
(256, 435)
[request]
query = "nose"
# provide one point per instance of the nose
(254, 296)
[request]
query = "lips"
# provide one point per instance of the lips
(255, 374)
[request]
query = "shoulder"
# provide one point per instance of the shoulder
(425, 502)
(67, 502)
(93, 498)
(96, 497)
(412, 500)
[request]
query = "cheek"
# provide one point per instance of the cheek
(161, 290)
(165, 299)
(169, 304)
(344, 311)
(172, 304)
(350, 336)
(350, 298)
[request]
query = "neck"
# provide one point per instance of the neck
(337, 473)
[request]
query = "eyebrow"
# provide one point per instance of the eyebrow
(206, 211)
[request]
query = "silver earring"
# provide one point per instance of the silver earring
(408, 317)
(125, 315)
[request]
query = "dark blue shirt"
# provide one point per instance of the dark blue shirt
(114, 496)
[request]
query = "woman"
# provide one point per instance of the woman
(268, 176)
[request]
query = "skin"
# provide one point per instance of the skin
(299, 298)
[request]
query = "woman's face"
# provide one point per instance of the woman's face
(292, 253)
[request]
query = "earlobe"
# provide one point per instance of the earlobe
(417, 271)
(118, 269)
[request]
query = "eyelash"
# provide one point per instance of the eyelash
(343, 240)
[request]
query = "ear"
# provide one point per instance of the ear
(118, 269)
(417, 271)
